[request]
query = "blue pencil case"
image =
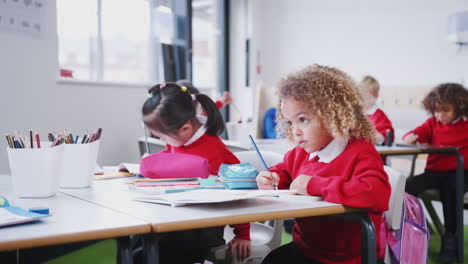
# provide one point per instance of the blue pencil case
(238, 176)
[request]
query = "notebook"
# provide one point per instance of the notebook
(170, 189)
(15, 215)
(208, 196)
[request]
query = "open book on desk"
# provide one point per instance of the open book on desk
(208, 196)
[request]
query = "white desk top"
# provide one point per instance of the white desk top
(72, 220)
(114, 194)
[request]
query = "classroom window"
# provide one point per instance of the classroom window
(204, 43)
(106, 40)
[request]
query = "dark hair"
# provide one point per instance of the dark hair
(169, 107)
(191, 89)
(447, 93)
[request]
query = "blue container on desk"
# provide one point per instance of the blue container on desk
(238, 176)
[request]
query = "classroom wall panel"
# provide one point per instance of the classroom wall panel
(32, 98)
(402, 43)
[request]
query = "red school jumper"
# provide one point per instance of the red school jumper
(216, 152)
(354, 178)
(381, 123)
(440, 134)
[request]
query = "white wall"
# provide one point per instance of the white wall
(402, 43)
(31, 98)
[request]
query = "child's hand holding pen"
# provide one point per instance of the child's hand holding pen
(267, 180)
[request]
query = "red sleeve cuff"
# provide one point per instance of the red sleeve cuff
(242, 231)
(410, 132)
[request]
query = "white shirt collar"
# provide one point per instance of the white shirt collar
(372, 110)
(331, 151)
(200, 132)
(459, 119)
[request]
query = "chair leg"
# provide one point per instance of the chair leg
(435, 218)
(429, 226)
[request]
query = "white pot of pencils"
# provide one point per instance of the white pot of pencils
(79, 162)
(35, 171)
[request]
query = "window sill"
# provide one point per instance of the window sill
(71, 81)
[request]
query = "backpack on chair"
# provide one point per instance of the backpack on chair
(410, 243)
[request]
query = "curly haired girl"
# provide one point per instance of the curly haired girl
(448, 126)
(319, 110)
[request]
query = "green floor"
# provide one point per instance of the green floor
(104, 252)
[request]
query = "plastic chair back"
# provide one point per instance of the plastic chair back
(397, 182)
(264, 236)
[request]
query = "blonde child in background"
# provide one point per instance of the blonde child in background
(320, 111)
(370, 88)
(448, 126)
(220, 103)
(170, 114)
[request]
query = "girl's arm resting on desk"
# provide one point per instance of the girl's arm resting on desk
(300, 184)
(410, 138)
(423, 133)
(367, 188)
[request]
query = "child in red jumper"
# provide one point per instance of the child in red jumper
(370, 87)
(448, 126)
(220, 103)
(170, 114)
(319, 109)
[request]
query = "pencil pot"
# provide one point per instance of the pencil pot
(35, 172)
(79, 162)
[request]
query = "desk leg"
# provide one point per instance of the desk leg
(124, 252)
(150, 248)
(368, 243)
(459, 192)
(368, 237)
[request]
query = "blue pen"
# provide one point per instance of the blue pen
(260, 156)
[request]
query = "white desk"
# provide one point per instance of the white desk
(114, 194)
(72, 220)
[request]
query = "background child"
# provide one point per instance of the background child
(370, 87)
(319, 110)
(169, 113)
(448, 126)
(222, 102)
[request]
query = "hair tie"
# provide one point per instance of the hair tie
(162, 85)
(183, 88)
(194, 97)
(149, 95)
